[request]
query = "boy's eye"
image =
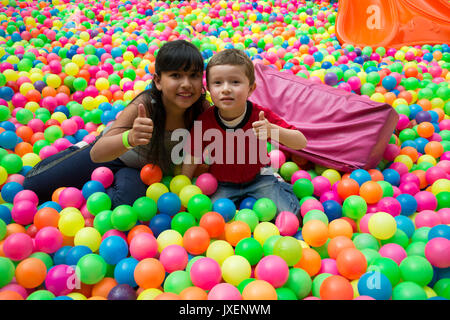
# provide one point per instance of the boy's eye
(175, 75)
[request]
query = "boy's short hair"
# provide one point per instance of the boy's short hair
(232, 57)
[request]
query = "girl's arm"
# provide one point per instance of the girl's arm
(290, 138)
(110, 146)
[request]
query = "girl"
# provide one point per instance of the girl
(140, 135)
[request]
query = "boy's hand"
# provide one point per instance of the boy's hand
(142, 130)
(262, 127)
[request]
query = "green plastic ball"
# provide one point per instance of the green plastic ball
(123, 217)
(249, 217)
(145, 208)
(92, 268)
(98, 202)
(182, 221)
(250, 249)
(303, 188)
(408, 291)
(289, 249)
(299, 282)
(416, 269)
(265, 209)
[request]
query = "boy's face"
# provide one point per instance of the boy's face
(230, 89)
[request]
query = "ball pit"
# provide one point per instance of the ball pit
(64, 77)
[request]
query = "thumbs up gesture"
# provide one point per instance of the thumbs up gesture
(261, 128)
(142, 130)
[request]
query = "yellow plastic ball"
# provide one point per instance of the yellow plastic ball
(88, 103)
(265, 230)
(427, 158)
(30, 159)
(404, 159)
(236, 269)
(36, 76)
(378, 97)
(149, 294)
(88, 237)
(155, 190)
(72, 69)
(76, 296)
(399, 55)
(354, 284)
(129, 95)
(78, 59)
(303, 244)
(179, 182)
(187, 193)
(398, 102)
(169, 237)
(102, 84)
(382, 225)
(3, 175)
(70, 223)
(219, 250)
(441, 185)
(437, 103)
(25, 87)
(10, 75)
(332, 175)
(128, 56)
(59, 116)
(84, 36)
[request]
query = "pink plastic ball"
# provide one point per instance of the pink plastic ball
(435, 173)
(277, 158)
(71, 197)
(427, 218)
(143, 245)
(444, 164)
(410, 177)
(437, 252)
(69, 126)
(26, 195)
(372, 208)
(205, 273)
(364, 222)
(354, 83)
(400, 167)
(61, 280)
(403, 122)
(445, 156)
(393, 251)
(444, 215)
(391, 152)
(364, 298)
(62, 144)
(48, 240)
(207, 183)
(330, 195)
(409, 188)
(329, 266)
(114, 232)
(18, 246)
(425, 201)
(23, 212)
(287, 223)
(309, 205)
(104, 175)
(321, 185)
(16, 288)
(300, 174)
(224, 291)
(173, 258)
(48, 151)
(389, 205)
(37, 125)
(272, 269)
(397, 191)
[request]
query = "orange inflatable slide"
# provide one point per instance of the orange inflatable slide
(393, 23)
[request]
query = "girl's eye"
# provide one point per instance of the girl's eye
(175, 75)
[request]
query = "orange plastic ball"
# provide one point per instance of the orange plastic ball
(259, 290)
(138, 229)
(193, 293)
(150, 174)
(347, 187)
(10, 295)
(351, 263)
(14, 228)
(371, 192)
(46, 217)
(103, 287)
(315, 233)
(31, 273)
(376, 175)
(425, 129)
(149, 273)
(434, 149)
(236, 231)
(196, 240)
(214, 223)
(340, 227)
(168, 296)
(25, 133)
(23, 148)
(336, 288)
(56, 193)
(310, 261)
(337, 244)
(422, 178)
(410, 152)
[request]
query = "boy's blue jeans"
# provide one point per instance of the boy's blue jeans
(263, 186)
(73, 168)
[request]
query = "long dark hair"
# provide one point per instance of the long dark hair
(172, 56)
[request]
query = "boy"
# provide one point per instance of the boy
(239, 171)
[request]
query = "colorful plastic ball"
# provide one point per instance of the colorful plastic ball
(30, 273)
(205, 273)
(23, 212)
(103, 175)
(264, 230)
(408, 204)
(145, 208)
(155, 190)
(393, 251)
(169, 203)
(75, 254)
(236, 231)
(183, 221)
(149, 273)
(160, 223)
(9, 191)
(18, 246)
(248, 216)
(143, 245)
(425, 201)
(272, 269)
(173, 258)
(225, 291)
(360, 176)
(196, 240)
(178, 183)
(247, 203)
(382, 225)
(48, 240)
(177, 281)
(92, 268)
(225, 207)
(198, 205)
(207, 183)
(265, 209)
(235, 269)
(439, 231)
(151, 174)
(122, 292)
(113, 249)
(187, 193)
(123, 217)
(332, 209)
(289, 249)
(408, 291)
(427, 218)
(315, 233)
(355, 207)
(376, 285)
(336, 288)
(213, 223)
(303, 188)
(71, 197)
(416, 269)
(371, 192)
(59, 277)
(219, 250)
(124, 271)
(351, 263)
(436, 252)
(287, 222)
(250, 249)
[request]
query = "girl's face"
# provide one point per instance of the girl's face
(180, 89)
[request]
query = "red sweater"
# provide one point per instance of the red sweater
(237, 155)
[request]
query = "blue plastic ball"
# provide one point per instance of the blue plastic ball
(169, 203)
(76, 253)
(51, 204)
(113, 249)
(59, 257)
(391, 176)
(332, 209)
(247, 203)
(376, 285)
(5, 214)
(389, 83)
(91, 187)
(439, 231)
(10, 190)
(408, 204)
(225, 207)
(160, 223)
(8, 139)
(124, 271)
(360, 176)
(405, 224)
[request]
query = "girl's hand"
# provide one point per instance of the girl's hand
(262, 127)
(142, 130)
